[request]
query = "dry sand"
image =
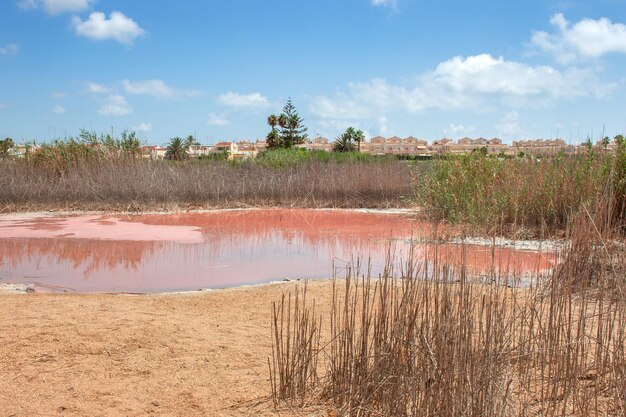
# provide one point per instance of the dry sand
(197, 354)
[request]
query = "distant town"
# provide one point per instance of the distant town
(378, 145)
(409, 147)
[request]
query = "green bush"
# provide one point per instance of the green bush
(524, 191)
(278, 158)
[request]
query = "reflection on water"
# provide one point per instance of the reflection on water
(158, 253)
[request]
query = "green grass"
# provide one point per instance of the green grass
(278, 158)
(523, 192)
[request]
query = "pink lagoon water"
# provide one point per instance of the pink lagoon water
(191, 251)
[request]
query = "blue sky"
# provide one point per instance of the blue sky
(525, 69)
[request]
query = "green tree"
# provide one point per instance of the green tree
(192, 141)
(273, 140)
(291, 130)
(605, 142)
(344, 143)
(347, 140)
(357, 136)
(6, 145)
(130, 144)
(177, 149)
(294, 132)
(272, 120)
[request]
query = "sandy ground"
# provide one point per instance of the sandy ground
(199, 354)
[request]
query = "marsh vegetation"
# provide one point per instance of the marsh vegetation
(423, 339)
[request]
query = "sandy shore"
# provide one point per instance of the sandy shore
(196, 354)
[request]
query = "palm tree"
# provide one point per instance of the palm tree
(5, 146)
(272, 139)
(272, 120)
(283, 121)
(359, 137)
(344, 143)
(177, 150)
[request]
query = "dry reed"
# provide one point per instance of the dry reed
(135, 184)
(427, 340)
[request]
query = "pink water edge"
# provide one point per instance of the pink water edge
(182, 252)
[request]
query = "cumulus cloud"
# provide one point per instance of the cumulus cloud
(10, 49)
(383, 3)
(115, 105)
(95, 88)
(587, 38)
(254, 100)
(486, 74)
(217, 119)
(142, 127)
(59, 109)
(154, 88)
(117, 27)
(474, 82)
(54, 7)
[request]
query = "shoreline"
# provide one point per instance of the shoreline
(52, 213)
(174, 208)
(11, 288)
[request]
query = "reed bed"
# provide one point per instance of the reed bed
(294, 359)
(427, 339)
(538, 196)
(135, 184)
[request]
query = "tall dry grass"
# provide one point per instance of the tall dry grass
(136, 184)
(425, 339)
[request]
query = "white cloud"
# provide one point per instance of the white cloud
(254, 100)
(59, 95)
(509, 126)
(3, 106)
(142, 127)
(28, 4)
(95, 88)
(217, 119)
(485, 74)
(474, 83)
(54, 7)
(459, 130)
(116, 105)
(588, 38)
(10, 49)
(155, 88)
(59, 109)
(383, 3)
(118, 27)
